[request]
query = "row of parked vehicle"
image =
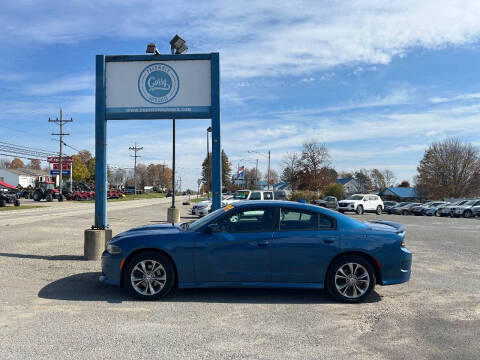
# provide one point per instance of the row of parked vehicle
(463, 208)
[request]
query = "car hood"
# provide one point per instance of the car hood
(348, 201)
(161, 229)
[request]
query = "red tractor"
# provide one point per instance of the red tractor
(47, 191)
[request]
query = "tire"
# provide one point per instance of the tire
(379, 210)
(160, 289)
(339, 273)
(359, 210)
(467, 214)
(26, 195)
(49, 197)
(37, 196)
(404, 212)
(16, 203)
(3, 203)
(60, 198)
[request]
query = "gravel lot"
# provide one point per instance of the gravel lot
(52, 305)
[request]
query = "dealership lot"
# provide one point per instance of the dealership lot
(51, 299)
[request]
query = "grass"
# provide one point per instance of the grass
(197, 200)
(21, 207)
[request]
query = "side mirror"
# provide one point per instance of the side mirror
(364, 199)
(212, 228)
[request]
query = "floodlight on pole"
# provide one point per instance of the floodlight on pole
(152, 49)
(177, 45)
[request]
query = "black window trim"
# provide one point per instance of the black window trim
(276, 221)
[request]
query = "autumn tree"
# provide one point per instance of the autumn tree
(335, 189)
(364, 183)
(35, 164)
(404, 183)
(378, 180)
(449, 169)
(313, 166)
(80, 171)
(16, 163)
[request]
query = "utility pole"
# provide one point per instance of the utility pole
(61, 134)
(268, 184)
(256, 175)
(135, 149)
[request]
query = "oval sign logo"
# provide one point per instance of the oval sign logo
(158, 83)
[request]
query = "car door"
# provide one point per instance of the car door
(238, 250)
(303, 245)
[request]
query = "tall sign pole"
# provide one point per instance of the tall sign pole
(61, 134)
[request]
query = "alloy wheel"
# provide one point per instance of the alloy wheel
(352, 280)
(148, 277)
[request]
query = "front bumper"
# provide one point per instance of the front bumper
(111, 272)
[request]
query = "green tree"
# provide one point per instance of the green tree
(226, 171)
(335, 189)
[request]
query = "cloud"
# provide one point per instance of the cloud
(265, 38)
(62, 85)
(463, 97)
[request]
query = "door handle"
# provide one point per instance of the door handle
(265, 242)
(329, 240)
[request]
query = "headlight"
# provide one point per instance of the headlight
(113, 249)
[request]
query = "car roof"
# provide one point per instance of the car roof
(275, 203)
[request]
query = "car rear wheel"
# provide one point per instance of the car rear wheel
(351, 279)
(359, 210)
(149, 276)
(3, 203)
(379, 210)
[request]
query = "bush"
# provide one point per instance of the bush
(304, 194)
(334, 189)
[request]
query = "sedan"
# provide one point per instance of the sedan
(267, 244)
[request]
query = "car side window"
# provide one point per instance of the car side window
(297, 220)
(251, 220)
(267, 196)
(255, 196)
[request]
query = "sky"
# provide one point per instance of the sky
(376, 81)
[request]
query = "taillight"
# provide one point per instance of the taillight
(403, 242)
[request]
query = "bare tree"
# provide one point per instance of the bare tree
(273, 177)
(389, 177)
(449, 169)
(291, 168)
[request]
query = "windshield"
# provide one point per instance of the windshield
(194, 226)
(355, 197)
(241, 195)
(471, 202)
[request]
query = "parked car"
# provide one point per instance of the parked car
(433, 209)
(264, 244)
(465, 210)
(389, 210)
(405, 209)
(241, 195)
(476, 210)
(447, 210)
(329, 202)
(361, 203)
(387, 205)
(200, 205)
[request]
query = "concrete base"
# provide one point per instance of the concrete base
(173, 215)
(95, 242)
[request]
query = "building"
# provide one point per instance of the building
(350, 185)
(400, 194)
(24, 177)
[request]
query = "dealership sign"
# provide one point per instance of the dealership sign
(56, 166)
(57, 172)
(56, 159)
(152, 87)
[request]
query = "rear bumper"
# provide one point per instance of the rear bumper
(399, 270)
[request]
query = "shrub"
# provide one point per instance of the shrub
(334, 189)
(304, 194)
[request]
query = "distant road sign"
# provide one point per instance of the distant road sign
(57, 172)
(56, 159)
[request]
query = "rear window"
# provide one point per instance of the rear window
(300, 220)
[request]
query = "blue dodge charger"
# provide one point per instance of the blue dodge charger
(260, 244)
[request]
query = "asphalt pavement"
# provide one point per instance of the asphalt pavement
(52, 305)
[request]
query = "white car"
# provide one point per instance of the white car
(361, 203)
(242, 195)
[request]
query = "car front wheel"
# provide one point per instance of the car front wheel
(149, 276)
(379, 210)
(359, 210)
(467, 214)
(351, 279)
